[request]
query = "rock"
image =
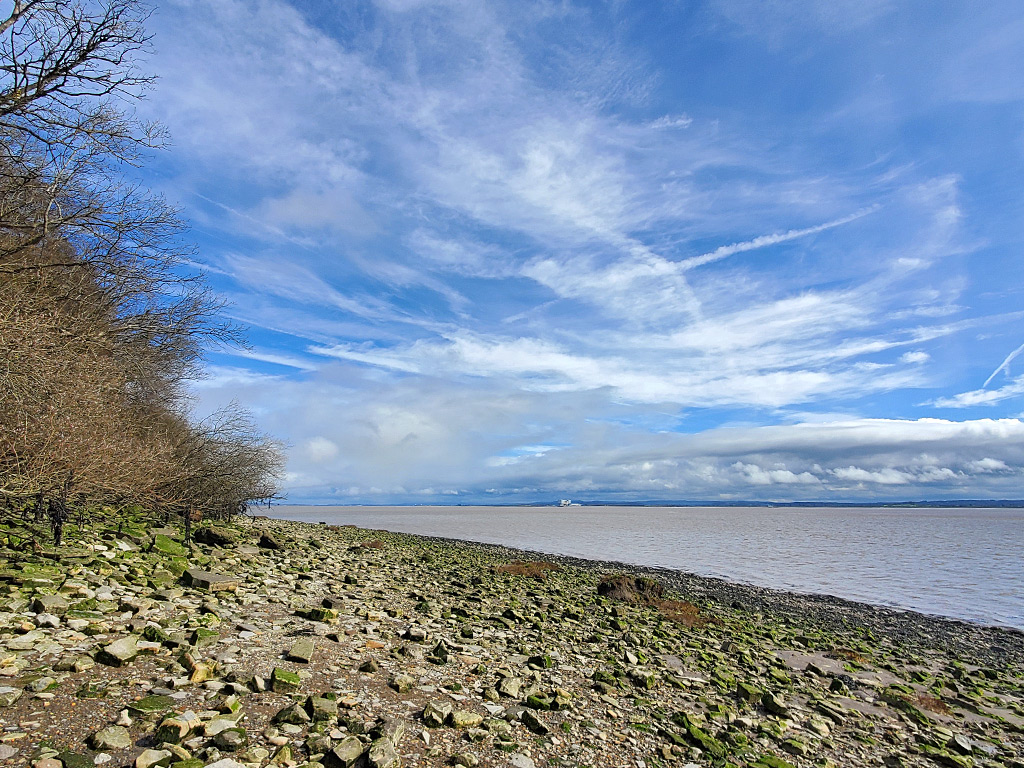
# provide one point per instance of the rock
(771, 761)
(302, 650)
(151, 707)
(7, 751)
(774, 704)
(436, 713)
(209, 581)
(54, 604)
(519, 760)
(392, 729)
(154, 757)
(119, 652)
(747, 692)
(226, 762)
(962, 744)
(323, 615)
(321, 709)
(167, 546)
(293, 714)
(269, 541)
(111, 737)
(231, 739)
(217, 536)
(402, 683)
(9, 695)
(510, 686)
(283, 681)
(173, 730)
(382, 754)
(202, 637)
(534, 723)
(345, 754)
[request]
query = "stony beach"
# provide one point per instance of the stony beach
(271, 643)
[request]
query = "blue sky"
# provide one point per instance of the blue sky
(490, 251)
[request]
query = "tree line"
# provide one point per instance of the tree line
(102, 319)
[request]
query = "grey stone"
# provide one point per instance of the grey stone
(293, 714)
(382, 754)
(209, 581)
(510, 686)
(774, 704)
(119, 652)
(436, 713)
(345, 754)
(464, 718)
(41, 684)
(9, 695)
(302, 650)
(154, 757)
(231, 739)
(54, 604)
(27, 641)
(112, 737)
(519, 760)
(534, 723)
(402, 683)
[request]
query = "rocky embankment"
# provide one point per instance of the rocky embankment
(271, 643)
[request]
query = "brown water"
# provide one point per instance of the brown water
(962, 563)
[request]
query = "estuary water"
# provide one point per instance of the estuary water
(962, 563)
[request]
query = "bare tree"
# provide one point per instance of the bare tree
(101, 322)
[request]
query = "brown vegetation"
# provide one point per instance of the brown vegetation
(640, 590)
(933, 704)
(536, 569)
(101, 323)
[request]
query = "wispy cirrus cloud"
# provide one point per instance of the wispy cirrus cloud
(524, 221)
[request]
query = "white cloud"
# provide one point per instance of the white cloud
(763, 241)
(977, 397)
(915, 357)
(671, 121)
(989, 464)
(319, 450)
(759, 476)
(886, 476)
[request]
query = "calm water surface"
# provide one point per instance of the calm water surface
(964, 563)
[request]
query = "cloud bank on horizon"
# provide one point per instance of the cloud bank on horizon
(512, 251)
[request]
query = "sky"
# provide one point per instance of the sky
(500, 252)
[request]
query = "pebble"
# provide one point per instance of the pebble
(505, 660)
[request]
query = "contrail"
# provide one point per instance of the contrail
(1003, 365)
(765, 240)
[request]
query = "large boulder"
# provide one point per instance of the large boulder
(216, 536)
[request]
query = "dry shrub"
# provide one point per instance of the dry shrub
(682, 612)
(639, 590)
(932, 704)
(536, 569)
(372, 544)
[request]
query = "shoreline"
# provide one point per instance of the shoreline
(806, 554)
(995, 642)
(284, 644)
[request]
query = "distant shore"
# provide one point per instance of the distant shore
(939, 504)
